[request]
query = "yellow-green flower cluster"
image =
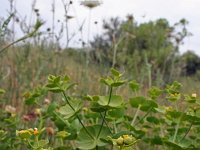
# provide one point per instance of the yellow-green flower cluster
(125, 140)
(25, 134)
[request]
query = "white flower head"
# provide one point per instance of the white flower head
(10, 109)
(90, 3)
(194, 95)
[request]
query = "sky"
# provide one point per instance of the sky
(142, 10)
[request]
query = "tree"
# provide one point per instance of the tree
(153, 45)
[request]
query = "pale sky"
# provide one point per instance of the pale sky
(172, 10)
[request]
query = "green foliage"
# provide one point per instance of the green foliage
(137, 47)
(86, 142)
(105, 121)
(2, 91)
(190, 63)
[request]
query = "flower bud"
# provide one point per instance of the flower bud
(128, 140)
(50, 131)
(120, 141)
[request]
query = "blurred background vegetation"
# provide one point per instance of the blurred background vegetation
(146, 52)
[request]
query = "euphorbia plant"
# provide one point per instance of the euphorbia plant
(160, 119)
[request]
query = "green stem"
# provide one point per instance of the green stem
(21, 39)
(61, 119)
(7, 46)
(115, 127)
(76, 115)
(144, 116)
(135, 116)
(36, 139)
(61, 142)
(176, 130)
(106, 123)
(187, 131)
(112, 147)
(121, 147)
(30, 144)
(110, 95)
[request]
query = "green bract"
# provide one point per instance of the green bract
(86, 142)
(67, 110)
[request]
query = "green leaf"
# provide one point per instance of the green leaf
(66, 78)
(69, 86)
(30, 101)
(177, 145)
(116, 113)
(145, 105)
(176, 114)
(51, 78)
(153, 120)
(85, 142)
(88, 98)
(40, 144)
(63, 148)
(157, 140)
(54, 88)
(68, 112)
(154, 92)
(115, 72)
(107, 81)
(57, 80)
(136, 101)
(174, 97)
(115, 101)
(30, 98)
(51, 108)
(173, 88)
(2, 91)
(192, 119)
(134, 85)
(149, 105)
(95, 107)
(118, 83)
(62, 134)
(38, 24)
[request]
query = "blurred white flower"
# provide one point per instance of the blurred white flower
(90, 3)
(194, 95)
(10, 109)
